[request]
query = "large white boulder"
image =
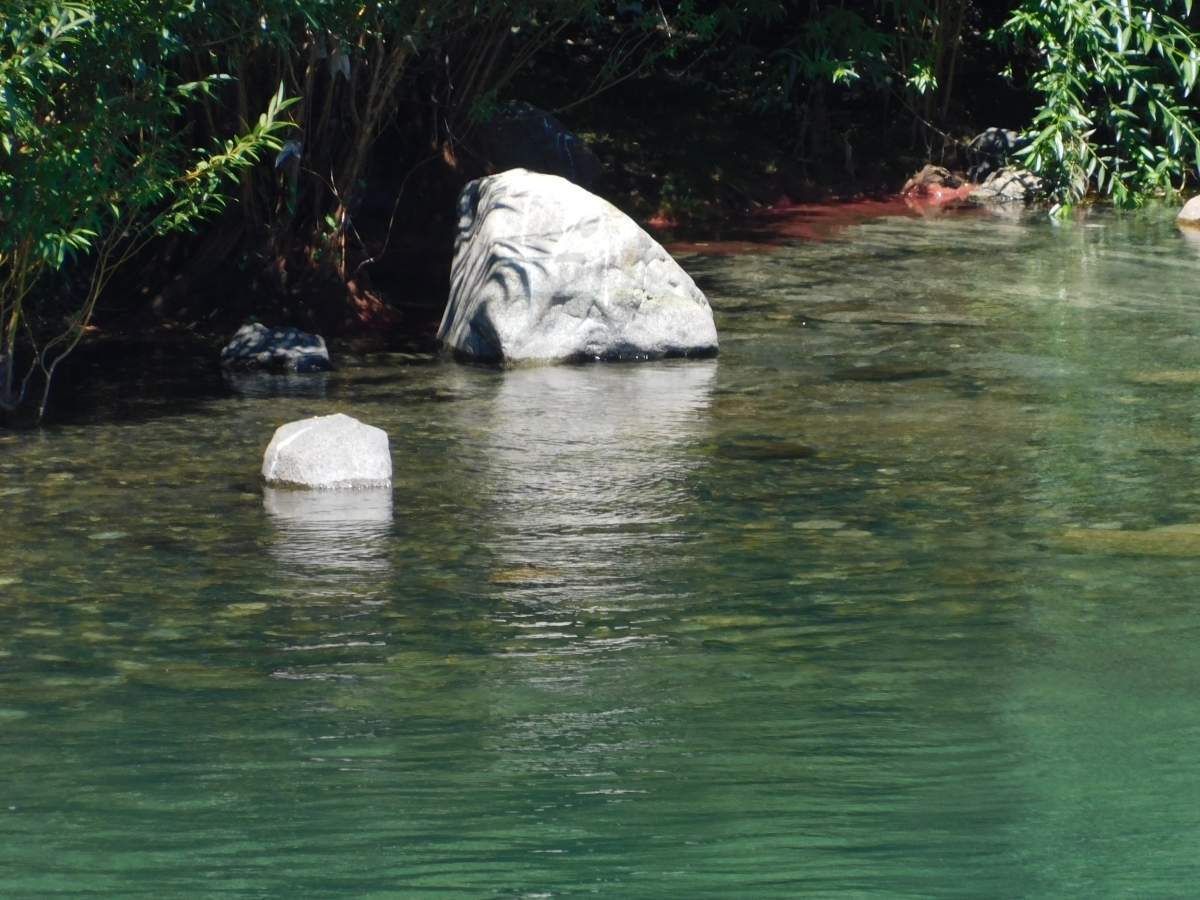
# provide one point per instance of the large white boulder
(1190, 214)
(546, 271)
(328, 452)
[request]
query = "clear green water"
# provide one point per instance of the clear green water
(828, 617)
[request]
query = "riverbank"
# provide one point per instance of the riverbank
(135, 370)
(132, 368)
(690, 160)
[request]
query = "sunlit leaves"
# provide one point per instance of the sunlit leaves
(1115, 80)
(94, 156)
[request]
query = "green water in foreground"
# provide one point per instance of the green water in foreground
(889, 601)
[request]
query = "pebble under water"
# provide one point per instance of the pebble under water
(895, 599)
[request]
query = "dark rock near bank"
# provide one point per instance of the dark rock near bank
(276, 349)
(525, 137)
(990, 151)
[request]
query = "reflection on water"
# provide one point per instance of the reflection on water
(1191, 237)
(265, 385)
(330, 532)
(585, 477)
(896, 600)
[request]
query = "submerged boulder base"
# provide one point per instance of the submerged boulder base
(328, 452)
(277, 349)
(546, 271)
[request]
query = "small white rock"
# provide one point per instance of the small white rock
(328, 452)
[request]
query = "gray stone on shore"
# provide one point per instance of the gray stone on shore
(277, 349)
(1007, 185)
(931, 176)
(546, 271)
(328, 452)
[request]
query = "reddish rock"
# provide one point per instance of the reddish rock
(935, 185)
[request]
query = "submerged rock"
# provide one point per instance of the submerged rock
(889, 372)
(525, 137)
(1165, 377)
(331, 531)
(264, 385)
(276, 349)
(1190, 214)
(819, 525)
(1171, 540)
(1191, 235)
(328, 452)
(895, 317)
(1007, 185)
(764, 449)
(545, 271)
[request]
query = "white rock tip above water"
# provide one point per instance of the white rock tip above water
(545, 271)
(328, 453)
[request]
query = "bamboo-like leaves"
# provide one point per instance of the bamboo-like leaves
(1115, 80)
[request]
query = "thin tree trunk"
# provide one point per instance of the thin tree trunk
(953, 41)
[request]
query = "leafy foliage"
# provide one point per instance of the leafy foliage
(808, 56)
(1116, 78)
(355, 67)
(93, 161)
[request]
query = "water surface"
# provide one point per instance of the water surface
(895, 599)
